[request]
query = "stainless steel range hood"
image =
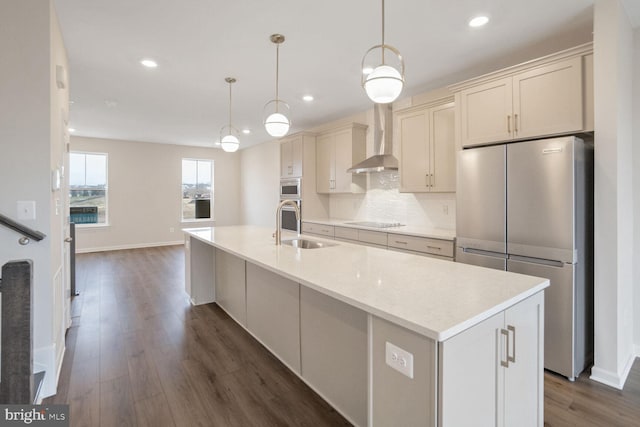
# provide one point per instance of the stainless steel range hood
(383, 159)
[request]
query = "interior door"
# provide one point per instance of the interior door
(540, 195)
(481, 198)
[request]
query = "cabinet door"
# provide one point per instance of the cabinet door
(486, 113)
(285, 159)
(296, 156)
(343, 160)
(548, 100)
(442, 167)
(325, 153)
(524, 380)
(471, 376)
(414, 157)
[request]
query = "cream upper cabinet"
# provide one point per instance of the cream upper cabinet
(427, 139)
(542, 98)
(337, 151)
(291, 157)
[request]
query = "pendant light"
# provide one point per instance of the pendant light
(229, 141)
(276, 111)
(383, 81)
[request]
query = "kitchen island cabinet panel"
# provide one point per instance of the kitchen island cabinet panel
(230, 285)
(199, 271)
(396, 398)
(334, 352)
(273, 314)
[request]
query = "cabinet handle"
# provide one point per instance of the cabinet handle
(431, 180)
(505, 363)
(508, 123)
(401, 242)
(515, 122)
(512, 358)
(434, 247)
(426, 179)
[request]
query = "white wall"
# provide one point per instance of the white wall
(636, 186)
(145, 196)
(259, 181)
(32, 109)
(613, 52)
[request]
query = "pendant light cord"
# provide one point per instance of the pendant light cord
(230, 121)
(277, 72)
(382, 32)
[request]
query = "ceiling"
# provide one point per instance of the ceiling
(200, 42)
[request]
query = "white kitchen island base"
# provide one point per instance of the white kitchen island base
(330, 314)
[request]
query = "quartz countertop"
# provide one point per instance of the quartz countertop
(407, 230)
(432, 297)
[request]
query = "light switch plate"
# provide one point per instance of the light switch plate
(399, 359)
(26, 210)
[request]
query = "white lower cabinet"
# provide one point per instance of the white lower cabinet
(334, 350)
(273, 313)
(230, 285)
(199, 271)
(492, 373)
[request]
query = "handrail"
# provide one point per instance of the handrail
(27, 232)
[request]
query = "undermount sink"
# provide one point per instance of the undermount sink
(306, 244)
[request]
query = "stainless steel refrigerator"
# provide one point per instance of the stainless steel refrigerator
(527, 207)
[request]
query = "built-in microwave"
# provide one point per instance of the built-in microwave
(288, 217)
(291, 188)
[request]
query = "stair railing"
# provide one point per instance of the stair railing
(27, 233)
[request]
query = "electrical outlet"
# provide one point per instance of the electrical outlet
(171, 230)
(445, 209)
(399, 359)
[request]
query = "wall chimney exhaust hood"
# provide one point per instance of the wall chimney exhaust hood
(383, 159)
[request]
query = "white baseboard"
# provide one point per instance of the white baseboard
(45, 358)
(637, 349)
(613, 379)
(132, 246)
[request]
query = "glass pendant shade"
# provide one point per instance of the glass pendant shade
(230, 143)
(384, 84)
(276, 121)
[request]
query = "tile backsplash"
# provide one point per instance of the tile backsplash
(384, 202)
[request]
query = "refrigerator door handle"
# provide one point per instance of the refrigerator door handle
(531, 260)
(485, 253)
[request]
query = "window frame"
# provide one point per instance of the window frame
(106, 222)
(212, 197)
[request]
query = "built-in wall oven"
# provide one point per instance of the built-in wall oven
(291, 188)
(288, 216)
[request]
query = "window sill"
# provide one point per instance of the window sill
(85, 226)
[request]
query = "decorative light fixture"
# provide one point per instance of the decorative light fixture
(384, 82)
(149, 63)
(276, 111)
(229, 141)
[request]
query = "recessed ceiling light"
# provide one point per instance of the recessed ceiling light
(307, 98)
(149, 63)
(71, 130)
(367, 70)
(478, 21)
(246, 131)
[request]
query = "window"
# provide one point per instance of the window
(197, 189)
(88, 188)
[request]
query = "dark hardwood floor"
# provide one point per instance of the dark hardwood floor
(139, 354)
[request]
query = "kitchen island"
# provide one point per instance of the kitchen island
(386, 338)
